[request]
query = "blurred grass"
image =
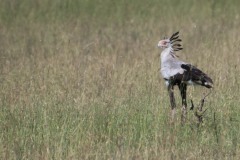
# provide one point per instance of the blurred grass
(80, 80)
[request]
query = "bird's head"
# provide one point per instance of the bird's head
(170, 42)
(165, 43)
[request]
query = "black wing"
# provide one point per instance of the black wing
(196, 75)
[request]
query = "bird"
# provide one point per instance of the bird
(179, 73)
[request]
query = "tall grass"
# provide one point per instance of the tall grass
(80, 79)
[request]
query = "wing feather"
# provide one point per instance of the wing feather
(195, 75)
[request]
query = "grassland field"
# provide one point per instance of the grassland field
(79, 79)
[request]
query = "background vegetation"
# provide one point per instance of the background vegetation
(79, 79)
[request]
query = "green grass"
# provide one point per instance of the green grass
(80, 79)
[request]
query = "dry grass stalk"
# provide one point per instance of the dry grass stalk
(198, 111)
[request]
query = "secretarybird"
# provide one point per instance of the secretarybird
(177, 72)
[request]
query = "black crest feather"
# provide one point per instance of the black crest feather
(177, 40)
(174, 36)
(177, 45)
(177, 49)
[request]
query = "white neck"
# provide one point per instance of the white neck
(166, 55)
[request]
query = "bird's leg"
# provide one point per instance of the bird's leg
(172, 101)
(183, 90)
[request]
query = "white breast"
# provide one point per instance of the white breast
(169, 72)
(170, 65)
